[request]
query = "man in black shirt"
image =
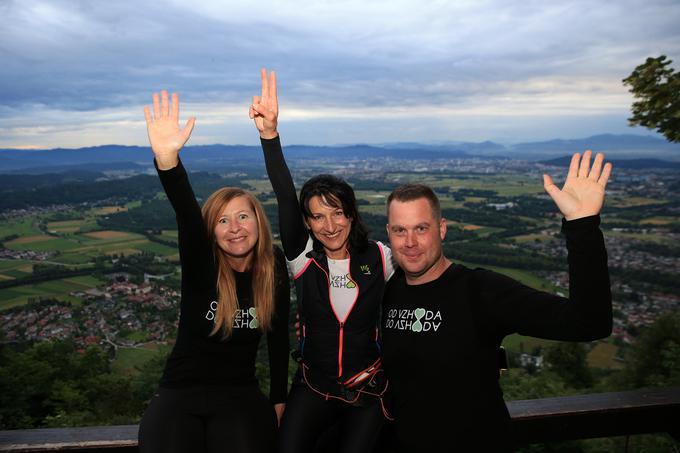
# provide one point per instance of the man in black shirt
(443, 323)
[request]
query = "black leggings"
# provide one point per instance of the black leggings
(308, 415)
(208, 419)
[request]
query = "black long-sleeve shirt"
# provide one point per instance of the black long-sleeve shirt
(294, 235)
(441, 340)
(199, 358)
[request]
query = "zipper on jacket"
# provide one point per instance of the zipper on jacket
(342, 327)
(342, 323)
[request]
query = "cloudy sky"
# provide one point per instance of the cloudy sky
(77, 73)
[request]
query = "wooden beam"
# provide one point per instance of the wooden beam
(83, 440)
(596, 415)
(533, 421)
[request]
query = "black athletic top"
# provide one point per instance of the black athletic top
(199, 358)
(335, 344)
(441, 340)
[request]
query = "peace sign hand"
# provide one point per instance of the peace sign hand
(583, 192)
(265, 108)
(165, 135)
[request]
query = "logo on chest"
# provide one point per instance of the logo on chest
(246, 318)
(416, 320)
(342, 281)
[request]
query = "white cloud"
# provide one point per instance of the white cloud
(337, 61)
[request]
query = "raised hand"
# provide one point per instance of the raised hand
(265, 108)
(583, 192)
(165, 136)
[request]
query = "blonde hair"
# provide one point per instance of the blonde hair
(263, 274)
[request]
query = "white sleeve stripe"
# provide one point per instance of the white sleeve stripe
(302, 271)
(389, 265)
(382, 257)
(300, 263)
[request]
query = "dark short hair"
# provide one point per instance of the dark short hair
(338, 194)
(414, 191)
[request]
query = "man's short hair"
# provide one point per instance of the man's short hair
(414, 191)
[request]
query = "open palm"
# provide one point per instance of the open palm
(583, 192)
(165, 135)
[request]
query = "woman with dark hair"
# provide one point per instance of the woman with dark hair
(234, 289)
(340, 277)
(335, 193)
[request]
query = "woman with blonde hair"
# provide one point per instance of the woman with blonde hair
(234, 289)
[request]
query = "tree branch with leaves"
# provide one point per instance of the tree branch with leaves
(656, 88)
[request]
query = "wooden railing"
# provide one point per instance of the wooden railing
(533, 421)
(596, 415)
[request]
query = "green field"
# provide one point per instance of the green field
(450, 203)
(375, 209)
(42, 243)
(627, 202)
(129, 360)
(169, 234)
(520, 343)
(158, 249)
(373, 197)
(20, 295)
(532, 238)
(104, 237)
(13, 264)
(260, 185)
(656, 238)
(22, 227)
(72, 258)
(75, 248)
(137, 336)
(11, 269)
(16, 273)
(87, 281)
(505, 185)
(133, 204)
(486, 231)
(81, 248)
(603, 355)
(658, 221)
(68, 226)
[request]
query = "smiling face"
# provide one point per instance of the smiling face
(236, 232)
(416, 236)
(330, 226)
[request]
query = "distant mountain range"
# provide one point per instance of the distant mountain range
(645, 150)
(620, 146)
(639, 164)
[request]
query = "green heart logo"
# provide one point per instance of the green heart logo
(254, 323)
(418, 326)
